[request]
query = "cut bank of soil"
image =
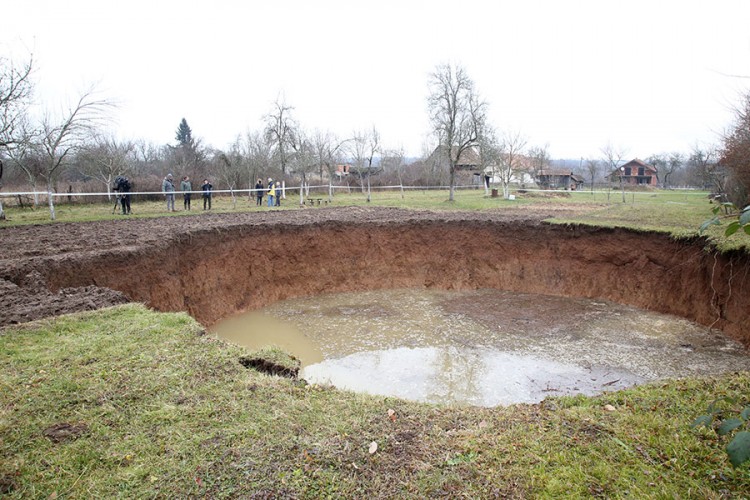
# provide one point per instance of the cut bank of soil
(214, 265)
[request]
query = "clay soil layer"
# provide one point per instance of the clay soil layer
(214, 265)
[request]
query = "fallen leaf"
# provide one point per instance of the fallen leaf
(609, 408)
(373, 447)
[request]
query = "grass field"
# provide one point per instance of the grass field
(679, 213)
(128, 402)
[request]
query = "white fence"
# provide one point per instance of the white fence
(49, 197)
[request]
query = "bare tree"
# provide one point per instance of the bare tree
(106, 158)
(62, 134)
(491, 153)
(15, 95)
(675, 162)
(592, 166)
(259, 154)
(280, 129)
(612, 157)
(303, 161)
(540, 159)
(228, 169)
(147, 158)
(327, 149)
(735, 154)
(365, 145)
(27, 157)
(703, 162)
(457, 115)
(508, 158)
(666, 165)
(393, 161)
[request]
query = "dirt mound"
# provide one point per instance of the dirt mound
(33, 300)
(213, 265)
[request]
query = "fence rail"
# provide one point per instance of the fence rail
(66, 194)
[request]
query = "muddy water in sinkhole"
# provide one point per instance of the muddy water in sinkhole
(482, 347)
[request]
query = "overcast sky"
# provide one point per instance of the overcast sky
(648, 76)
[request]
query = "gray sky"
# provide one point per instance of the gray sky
(648, 76)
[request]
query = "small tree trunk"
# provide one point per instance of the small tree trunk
(51, 203)
(2, 212)
(452, 190)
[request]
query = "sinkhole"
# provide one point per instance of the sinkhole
(481, 347)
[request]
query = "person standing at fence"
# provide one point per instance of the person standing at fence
(278, 193)
(167, 187)
(206, 187)
(271, 192)
(124, 190)
(259, 193)
(186, 187)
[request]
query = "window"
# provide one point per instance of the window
(628, 171)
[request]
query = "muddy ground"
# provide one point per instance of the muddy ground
(211, 265)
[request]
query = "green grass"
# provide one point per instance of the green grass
(679, 213)
(156, 408)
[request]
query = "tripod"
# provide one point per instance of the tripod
(117, 204)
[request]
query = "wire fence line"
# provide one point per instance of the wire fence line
(308, 188)
(317, 193)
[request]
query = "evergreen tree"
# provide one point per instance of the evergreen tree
(184, 134)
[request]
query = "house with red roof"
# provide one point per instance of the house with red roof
(635, 173)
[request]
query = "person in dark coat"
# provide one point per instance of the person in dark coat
(122, 186)
(259, 193)
(206, 187)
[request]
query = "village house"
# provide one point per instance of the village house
(342, 170)
(471, 163)
(558, 179)
(635, 173)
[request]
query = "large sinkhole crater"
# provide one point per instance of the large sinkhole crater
(216, 266)
(481, 347)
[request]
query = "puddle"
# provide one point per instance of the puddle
(483, 347)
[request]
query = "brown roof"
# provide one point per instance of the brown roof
(555, 171)
(469, 157)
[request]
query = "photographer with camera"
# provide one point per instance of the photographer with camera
(122, 186)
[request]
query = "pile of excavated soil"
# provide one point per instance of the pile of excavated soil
(212, 265)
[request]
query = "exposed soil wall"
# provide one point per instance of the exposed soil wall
(215, 266)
